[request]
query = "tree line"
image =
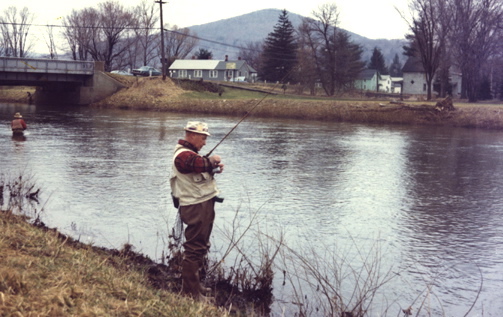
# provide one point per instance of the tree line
(459, 35)
(445, 35)
(121, 37)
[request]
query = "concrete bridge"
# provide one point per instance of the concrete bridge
(59, 81)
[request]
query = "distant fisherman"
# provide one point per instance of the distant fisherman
(18, 125)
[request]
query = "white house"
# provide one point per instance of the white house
(368, 79)
(414, 79)
(385, 84)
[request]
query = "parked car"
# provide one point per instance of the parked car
(146, 71)
(121, 72)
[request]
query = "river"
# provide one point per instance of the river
(428, 199)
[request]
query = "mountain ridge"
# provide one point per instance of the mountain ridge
(237, 31)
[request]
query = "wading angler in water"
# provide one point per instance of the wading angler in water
(18, 125)
(195, 192)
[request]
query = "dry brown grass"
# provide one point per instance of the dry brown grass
(16, 94)
(144, 93)
(154, 94)
(157, 95)
(43, 273)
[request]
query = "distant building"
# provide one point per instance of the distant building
(385, 84)
(396, 85)
(414, 79)
(217, 70)
(368, 79)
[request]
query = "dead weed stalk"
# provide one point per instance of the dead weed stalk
(19, 195)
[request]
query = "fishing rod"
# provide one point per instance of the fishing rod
(246, 115)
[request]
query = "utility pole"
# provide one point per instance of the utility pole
(163, 59)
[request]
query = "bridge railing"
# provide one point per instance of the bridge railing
(34, 65)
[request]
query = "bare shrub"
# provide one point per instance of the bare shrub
(20, 195)
(335, 284)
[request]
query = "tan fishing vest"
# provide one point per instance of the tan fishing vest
(191, 188)
(16, 124)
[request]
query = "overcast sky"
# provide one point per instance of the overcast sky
(370, 18)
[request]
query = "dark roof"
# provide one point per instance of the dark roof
(413, 65)
(367, 74)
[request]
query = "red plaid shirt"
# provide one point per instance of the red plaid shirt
(190, 162)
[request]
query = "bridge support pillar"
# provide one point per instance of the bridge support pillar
(102, 86)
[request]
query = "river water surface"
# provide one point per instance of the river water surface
(429, 197)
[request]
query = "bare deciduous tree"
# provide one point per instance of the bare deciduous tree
(146, 20)
(337, 60)
(306, 73)
(50, 42)
(78, 32)
(430, 29)
(179, 43)
(251, 53)
(112, 38)
(15, 27)
(103, 33)
(477, 34)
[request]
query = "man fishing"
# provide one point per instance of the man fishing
(194, 192)
(18, 125)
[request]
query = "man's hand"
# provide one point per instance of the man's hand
(216, 162)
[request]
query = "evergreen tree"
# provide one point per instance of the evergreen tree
(395, 69)
(348, 60)
(377, 61)
(204, 54)
(279, 55)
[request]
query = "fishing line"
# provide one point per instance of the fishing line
(247, 114)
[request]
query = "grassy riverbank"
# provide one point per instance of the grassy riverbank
(18, 94)
(154, 94)
(157, 95)
(44, 273)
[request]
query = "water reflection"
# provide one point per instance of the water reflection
(18, 137)
(429, 196)
(450, 224)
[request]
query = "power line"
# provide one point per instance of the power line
(136, 28)
(128, 28)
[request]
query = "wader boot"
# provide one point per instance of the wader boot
(204, 290)
(190, 282)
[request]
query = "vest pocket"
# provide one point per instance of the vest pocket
(201, 177)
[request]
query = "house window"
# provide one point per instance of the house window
(198, 73)
(213, 73)
(182, 73)
(230, 74)
(424, 87)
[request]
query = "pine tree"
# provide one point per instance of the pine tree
(395, 69)
(348, 60)
(377, 61)
(279, 55)
(204, 54)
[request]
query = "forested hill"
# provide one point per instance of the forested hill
(257, 25)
